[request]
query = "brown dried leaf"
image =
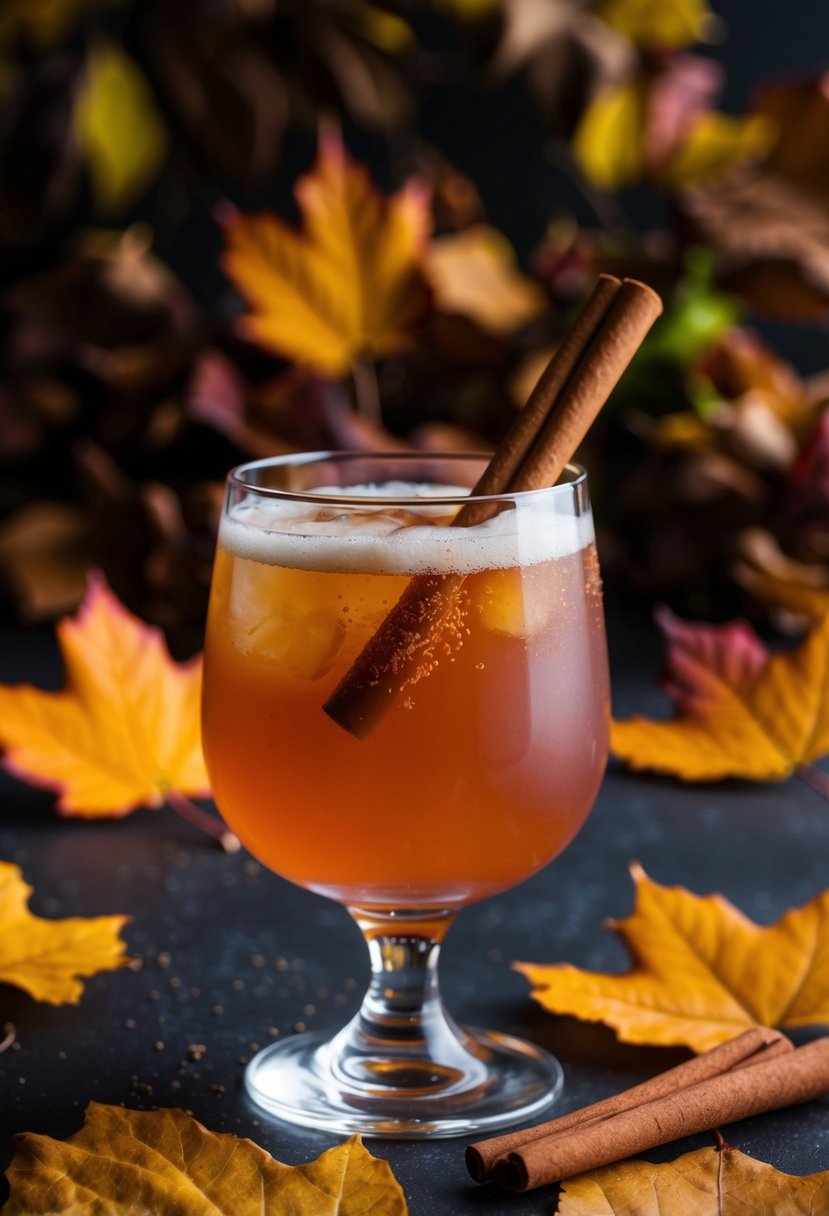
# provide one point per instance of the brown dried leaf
(475, 273)
(800, 588)
(45, 551)
(769, 226)
(568, 53)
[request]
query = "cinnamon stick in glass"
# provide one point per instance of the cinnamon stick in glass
(570, 392)
(785, 1080)
(760, 1042)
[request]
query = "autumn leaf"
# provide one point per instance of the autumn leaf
(607, 143)
(737, 711)
(120, 128)
(701, 972)
(621, 138)
(767, 226)
(654, 24)
(347, 286)
(124, 732)
(800, 588)
(164, 1162)
(475, 273)
(708, 1182)
(47, 958)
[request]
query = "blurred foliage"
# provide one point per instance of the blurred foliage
(355, 315)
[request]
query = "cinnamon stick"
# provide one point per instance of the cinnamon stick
(533, 454)
(760, 1042)
(785, 1080)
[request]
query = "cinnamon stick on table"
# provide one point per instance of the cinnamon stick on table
(784, 1080)
(575, 385)
(758, 1043)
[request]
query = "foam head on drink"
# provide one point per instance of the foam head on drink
(490, 757)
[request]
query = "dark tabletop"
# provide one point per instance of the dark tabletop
(231, 955)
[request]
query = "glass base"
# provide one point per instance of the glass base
(303, 1081)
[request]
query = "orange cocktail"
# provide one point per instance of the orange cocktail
(482, 771)
(491, 754)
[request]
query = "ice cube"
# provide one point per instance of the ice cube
(513, 603)
(275, 617)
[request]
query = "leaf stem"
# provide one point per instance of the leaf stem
(11, 1034)
(204, 821)
(366, 390)
(812, 776)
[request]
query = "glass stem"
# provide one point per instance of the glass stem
(402, 1038)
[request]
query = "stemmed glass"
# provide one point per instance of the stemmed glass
(484, 767)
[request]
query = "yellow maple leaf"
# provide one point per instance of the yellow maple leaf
(708, 1182)
(124, 732)
(47, 958)
(119, 127)
(608, 141)
(475, 273)
(714, 143)
(702, 971)
(653, 23)
(738, 712)
(164, 1162)
(347, 286)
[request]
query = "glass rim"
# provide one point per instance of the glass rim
(236, 478)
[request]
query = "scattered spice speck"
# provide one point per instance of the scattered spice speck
(238, 985)
(158, 1045)
(163, 959)
(130, 1023)
(217, 1009)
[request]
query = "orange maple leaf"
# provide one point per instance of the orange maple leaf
(738, 711)
(349, 284)
(702, 971)
(47, 958)
(124, 732)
